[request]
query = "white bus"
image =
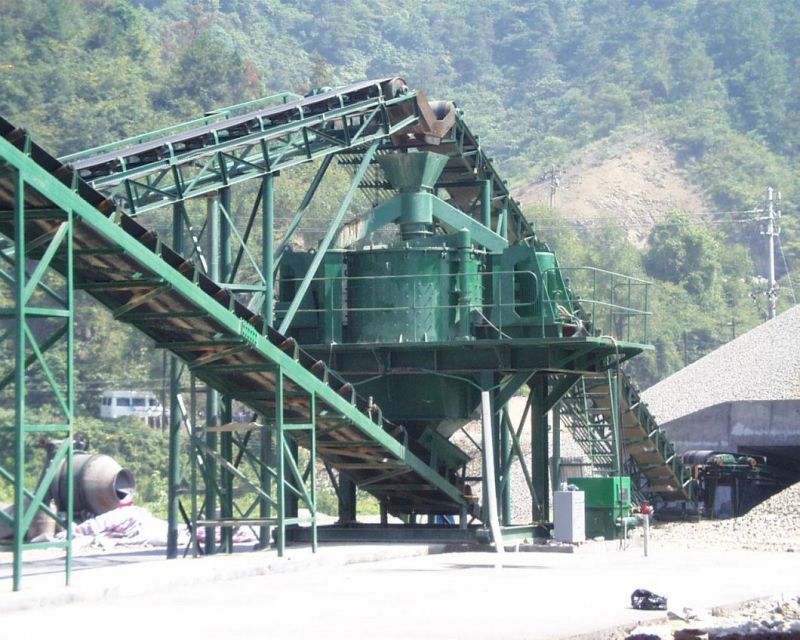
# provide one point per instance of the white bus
(140, 404)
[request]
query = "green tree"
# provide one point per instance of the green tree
(684, 253)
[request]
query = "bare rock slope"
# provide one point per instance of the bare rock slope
(633, 179)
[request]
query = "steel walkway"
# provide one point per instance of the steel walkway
(148, 285)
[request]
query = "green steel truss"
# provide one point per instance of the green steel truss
(204, 292)
(230, 348)
(37, 340)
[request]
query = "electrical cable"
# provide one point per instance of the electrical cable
(786, 267)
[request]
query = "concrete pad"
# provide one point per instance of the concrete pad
(463, 595)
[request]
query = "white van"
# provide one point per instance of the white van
(140, 404)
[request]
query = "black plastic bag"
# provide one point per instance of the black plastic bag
(644, 599)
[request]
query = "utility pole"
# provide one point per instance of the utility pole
(772, 232)
(554, 184)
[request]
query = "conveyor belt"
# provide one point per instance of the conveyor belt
(661, 472)
(189, 160)
(148, 285)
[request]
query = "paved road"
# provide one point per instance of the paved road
(464, 595)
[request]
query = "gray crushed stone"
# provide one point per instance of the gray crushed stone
(762, 364)
(773, 525)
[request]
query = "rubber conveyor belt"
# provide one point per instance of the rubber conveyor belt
(147, 284)
(660, 469)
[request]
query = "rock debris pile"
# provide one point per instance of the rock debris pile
(762, 364)
(774, 525)
(760, 620)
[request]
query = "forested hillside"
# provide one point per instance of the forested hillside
(539, 80)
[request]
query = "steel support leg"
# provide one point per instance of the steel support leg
(505, 465)
(555, 472)
(27, 331)
(173, 470)
(280, 451)
(268, 247)
(226, 506)
(267, 455)
(539, 437)
(347, 500)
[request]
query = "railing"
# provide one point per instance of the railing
(617, 305)
(623, 317)
(455, 287)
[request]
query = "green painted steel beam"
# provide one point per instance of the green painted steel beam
(558, 390)
(301, 210)
(507, 356)
(510, 387)
(331, 233)
(255, 155)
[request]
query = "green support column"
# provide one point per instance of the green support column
(539, 437)
(268, 247)
(225, 277)
(313, 468)
(20, 353)
(556, 467)
(486, 203)
(173, 471)
(505, 454)
(70, 371)
(212, 471)
(30, 345)
(464, 250)
(267, 455)
(291, 499)
(280, 453)
(227, 506)
(225, 235)
(193, 453)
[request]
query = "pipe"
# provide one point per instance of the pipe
(488, 471)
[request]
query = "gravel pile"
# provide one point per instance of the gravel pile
(762, 620)
(774, 525)
(520, 495)
(762, 364)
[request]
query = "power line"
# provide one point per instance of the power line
(689, 213)
(644, 225)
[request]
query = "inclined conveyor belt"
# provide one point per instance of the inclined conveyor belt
(148, 285)
(658, 469)
(187, 160)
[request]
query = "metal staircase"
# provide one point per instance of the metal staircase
(656, 470)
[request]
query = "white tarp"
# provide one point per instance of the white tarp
(132, 526)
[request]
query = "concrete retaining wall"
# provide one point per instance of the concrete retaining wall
(729, 425)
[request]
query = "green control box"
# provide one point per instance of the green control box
(607, 500)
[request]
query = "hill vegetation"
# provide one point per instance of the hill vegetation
(538, 80)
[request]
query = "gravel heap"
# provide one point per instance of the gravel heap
(760, 620)
(736, 371)
(774, 525)
(520, 496)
